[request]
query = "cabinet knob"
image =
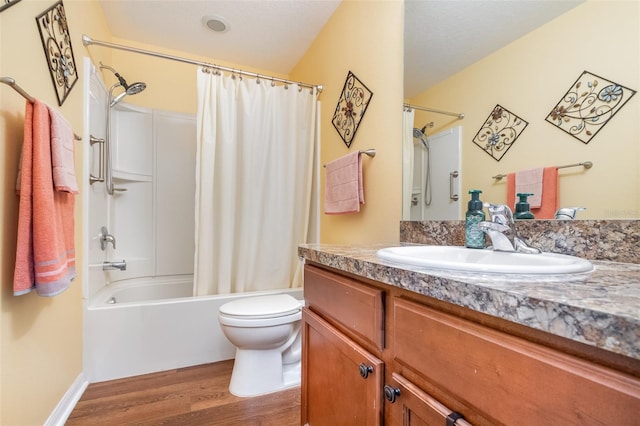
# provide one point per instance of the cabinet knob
(391, 393)
(365, 370)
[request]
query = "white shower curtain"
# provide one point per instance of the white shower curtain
(254, 167)
(407, 162)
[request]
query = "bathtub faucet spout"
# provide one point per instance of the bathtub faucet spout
(109, 266)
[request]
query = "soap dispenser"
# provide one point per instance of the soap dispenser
(522, 207)
(474, 236)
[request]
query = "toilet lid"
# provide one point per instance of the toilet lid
(271, 306)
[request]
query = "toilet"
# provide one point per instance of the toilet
(266, 333)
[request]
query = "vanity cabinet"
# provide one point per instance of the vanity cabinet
(342, 339)
(432, 363)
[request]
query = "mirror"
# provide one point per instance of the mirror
(471, 56)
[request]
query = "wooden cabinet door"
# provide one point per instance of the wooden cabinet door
(335, 390)
(411, 406)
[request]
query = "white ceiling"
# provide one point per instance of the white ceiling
(441, 36)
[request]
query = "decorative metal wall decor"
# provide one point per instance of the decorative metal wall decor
(5, 4)
(499, 132)
(351, 107)
(588, 105)
(54, 32)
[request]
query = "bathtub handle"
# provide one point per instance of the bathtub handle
(105, 238)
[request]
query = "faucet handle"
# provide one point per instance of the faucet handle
(568, 212)
(500, 213)
(105, 238)
(493, 226)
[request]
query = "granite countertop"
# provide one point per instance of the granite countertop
(601, 308)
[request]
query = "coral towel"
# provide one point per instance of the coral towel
(45, 257)
(549, 199)
(344, 190)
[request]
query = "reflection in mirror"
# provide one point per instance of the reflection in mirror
(432, 188)
(527, 74)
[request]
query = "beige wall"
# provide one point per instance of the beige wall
(528, 77)
(366, 38)
(40, 338)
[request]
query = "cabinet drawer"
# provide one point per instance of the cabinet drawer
(508, 379)
(356, 306)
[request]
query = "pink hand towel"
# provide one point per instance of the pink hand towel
(530, 182)
(344, 190)
(45, 256)
(549, 205)
(62, 143)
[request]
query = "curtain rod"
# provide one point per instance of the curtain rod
(460, 115)
(12, 83)
(87, 41)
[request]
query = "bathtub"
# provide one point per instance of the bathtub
(141, 326)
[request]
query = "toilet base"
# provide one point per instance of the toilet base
(259, 372)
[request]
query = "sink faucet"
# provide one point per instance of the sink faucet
(502, 230)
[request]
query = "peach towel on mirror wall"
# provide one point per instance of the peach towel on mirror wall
(45, 257)
(549, 203)
(530, 182)
(344, 190)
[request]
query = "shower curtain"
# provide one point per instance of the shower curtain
(407, 162)
(254, 164)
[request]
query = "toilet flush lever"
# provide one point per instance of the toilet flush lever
(106, 238)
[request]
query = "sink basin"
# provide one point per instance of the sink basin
(456, 258)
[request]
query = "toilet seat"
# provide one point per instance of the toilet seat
(270, 306)
(261, 311)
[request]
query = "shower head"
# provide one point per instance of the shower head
(135, 88)
(422, 136)
(132, 89)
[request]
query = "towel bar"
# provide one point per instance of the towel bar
(370, 152)
(585, 164)
(12, 83)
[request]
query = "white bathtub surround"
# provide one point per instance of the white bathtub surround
(253, 183)
(154, 334)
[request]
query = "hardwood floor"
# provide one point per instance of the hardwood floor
(187, 396)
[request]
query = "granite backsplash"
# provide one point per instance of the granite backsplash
(612, 240)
